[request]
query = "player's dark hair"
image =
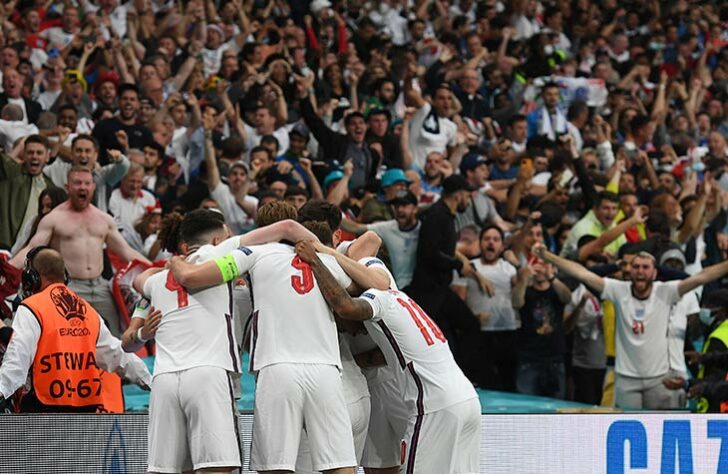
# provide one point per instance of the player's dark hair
(197, 225)
(322, 231)
(320, 210)
(168, 235)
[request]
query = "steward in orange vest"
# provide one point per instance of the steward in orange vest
(63, 341)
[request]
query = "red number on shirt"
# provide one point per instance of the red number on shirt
(418, 316)
(303, 283)
(638, 327)
(173, 285)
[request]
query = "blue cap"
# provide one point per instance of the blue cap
(331, 177)
(392, 176)
(471, 161)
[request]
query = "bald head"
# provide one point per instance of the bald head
(12, 113)
(49, 264)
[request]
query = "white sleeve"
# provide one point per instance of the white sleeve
(612, 289)
(458, 280)
(141, 310)
(378, 300)
(223, 248)
(20, 352)
(336, 270)
(112, 358)
(245, 258)
(692, 303)
(669, 292)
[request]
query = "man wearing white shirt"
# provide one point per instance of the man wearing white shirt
(130, 202)
(642, 309)
(498, 320)
(431, 127)
(265, 123)
(12, 127)
(61, 36)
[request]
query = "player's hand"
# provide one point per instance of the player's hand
(151, 324)
(307, 251)
(693, 357)
(321, 248)
(673, 383)
(177, 266)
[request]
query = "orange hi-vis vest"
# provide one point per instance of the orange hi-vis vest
(64, 369)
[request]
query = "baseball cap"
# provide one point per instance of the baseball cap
(241, 164)
(455, 183)
(673, 254)
(716, 299)
(404, 197)
(392, 176)
(318, 5)
(331, 177)
(471, 161)
(301, 130)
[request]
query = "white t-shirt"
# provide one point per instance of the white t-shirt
(430, 133)
(253, 138)
(56, 37)
(402, 248)
(414, 346)
(127, 211)
(10, 131)
(677, 327)
(502, 315)
(235, 216)
(291, 321)
(641, 334)
(197, 327)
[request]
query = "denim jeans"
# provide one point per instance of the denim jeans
(542, 378)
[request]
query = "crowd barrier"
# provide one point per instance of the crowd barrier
(528, 443)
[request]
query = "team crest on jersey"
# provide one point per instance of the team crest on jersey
(68, 304)
(245, 250)
(368, 295)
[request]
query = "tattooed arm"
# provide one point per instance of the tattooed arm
(336, 296)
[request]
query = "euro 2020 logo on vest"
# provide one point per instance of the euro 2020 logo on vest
(69, 305)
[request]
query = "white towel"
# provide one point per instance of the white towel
(550, 129)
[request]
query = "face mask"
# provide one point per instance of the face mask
(548, 49)
(699, 166)
(706, 316)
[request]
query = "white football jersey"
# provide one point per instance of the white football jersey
(291, 321)
(412, 343)
(642, 327)
(197, 327)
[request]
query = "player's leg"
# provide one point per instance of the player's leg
(359, 413)
(467, 444)
(212, 424)
(278, 418)
(387, 426)
(167, 433)
(327, 420)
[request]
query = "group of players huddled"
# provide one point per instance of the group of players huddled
(349, 370)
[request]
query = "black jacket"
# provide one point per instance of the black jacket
(32, 107)
(436, 248)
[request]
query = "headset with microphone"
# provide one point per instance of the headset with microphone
(30, 278)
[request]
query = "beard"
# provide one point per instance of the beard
(462, 207)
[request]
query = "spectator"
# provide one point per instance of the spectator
(130, 202)
(540, 298)
(378, 209)
(12, 89)
(21, 183)
(499, 321)
(481, 210)
(400, 235)
(432, 129)
(596, 222)
(105, 130)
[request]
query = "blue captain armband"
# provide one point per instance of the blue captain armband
(228, 267)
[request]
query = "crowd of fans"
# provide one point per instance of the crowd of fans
(460, 132)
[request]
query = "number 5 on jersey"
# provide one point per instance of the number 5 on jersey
(302, 283)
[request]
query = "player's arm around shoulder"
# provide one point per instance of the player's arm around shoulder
(336, 296)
